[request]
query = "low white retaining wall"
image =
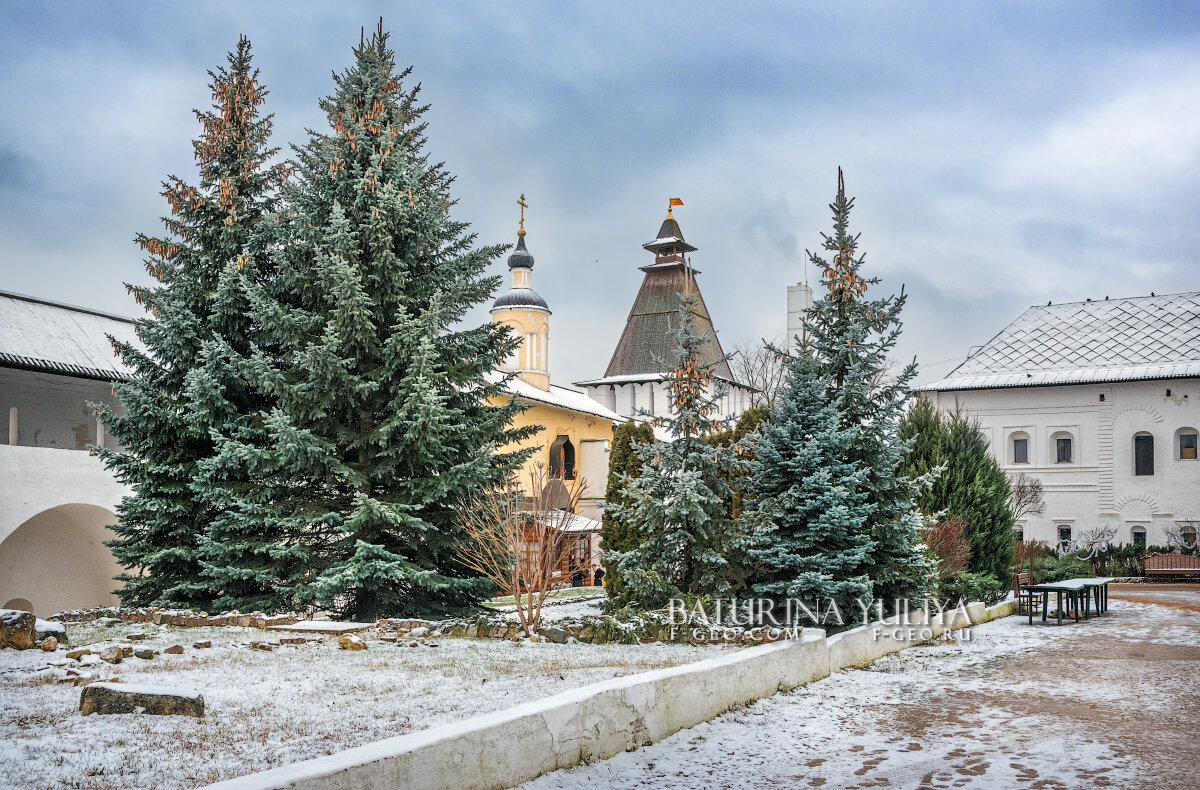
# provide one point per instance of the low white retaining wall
(512, 746)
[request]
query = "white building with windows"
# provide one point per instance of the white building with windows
(1098, 400)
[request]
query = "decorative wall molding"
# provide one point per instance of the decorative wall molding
(1139, 496)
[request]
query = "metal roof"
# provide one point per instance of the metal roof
(645, 345)
(520, 297)
(38, 334)
(1137, 338)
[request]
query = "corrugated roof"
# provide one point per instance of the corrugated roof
(1142, 337)
(37, 334)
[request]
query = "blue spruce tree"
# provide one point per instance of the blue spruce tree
(810, 539)
(165, 432)
(385, 415)
(852, 336)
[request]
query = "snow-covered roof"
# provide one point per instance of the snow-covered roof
(37, 334)
(1142, 337)
(562, 397)
(578, 523)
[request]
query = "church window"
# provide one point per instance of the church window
(562, 458)
(1138, 534)
(1064, 533)
(1020, 448)
(1062, 444)
(1143, 454)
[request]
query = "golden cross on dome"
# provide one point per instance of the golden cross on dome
(523, 205)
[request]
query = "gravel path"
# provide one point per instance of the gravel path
(1113, 702)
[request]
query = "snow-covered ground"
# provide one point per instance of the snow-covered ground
(269, 708)
(1111, 702)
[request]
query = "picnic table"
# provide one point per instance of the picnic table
(1078, 592)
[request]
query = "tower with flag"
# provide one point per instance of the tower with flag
(633, 382)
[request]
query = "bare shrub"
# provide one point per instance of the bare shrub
(516, 539)
(948, 543)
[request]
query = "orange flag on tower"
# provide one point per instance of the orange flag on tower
(675, 202)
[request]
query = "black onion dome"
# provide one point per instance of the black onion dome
(520, 258)
(521, 297)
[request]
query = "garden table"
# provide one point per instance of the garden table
(1074, 589)
(1098, 587)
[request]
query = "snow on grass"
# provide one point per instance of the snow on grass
(1095, 704)
(554, 596)
(265, 709)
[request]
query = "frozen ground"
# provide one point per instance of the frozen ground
(1113, 702)
(269, 708)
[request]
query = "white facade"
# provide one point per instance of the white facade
(1097, 399)
(799, 301)
(1097, 487)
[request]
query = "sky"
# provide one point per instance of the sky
(1001, 154)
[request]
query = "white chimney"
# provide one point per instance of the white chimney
(799, 300)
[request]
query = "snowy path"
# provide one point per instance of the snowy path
(1113, 702)
(270, 708)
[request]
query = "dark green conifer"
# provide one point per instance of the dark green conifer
(164, 432)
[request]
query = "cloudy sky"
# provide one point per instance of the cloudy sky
(1002, 154)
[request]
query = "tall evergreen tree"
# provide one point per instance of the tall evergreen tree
(164, 433)
(385, 417)
(807, 500)
(852, 336)
(616, 535)
(971, 484)
(679, 499)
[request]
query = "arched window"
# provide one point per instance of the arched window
(1062, 447)
(1137, 536)
(562, 458)
(1018, 448)
(1143, 454)
(1185, 444)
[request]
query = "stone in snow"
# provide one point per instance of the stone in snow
(421, 631)
(16, 629)
(154, 700)
(174, 650)
(136, 637)
(198, 646)
(144, 653)
(45, 628)
(554, 634)
(78, 653)
(112, 654)
(351, 642)
(49, 644)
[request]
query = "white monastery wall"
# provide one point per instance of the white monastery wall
(1098, 487)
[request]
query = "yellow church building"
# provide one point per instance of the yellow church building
(576, 431)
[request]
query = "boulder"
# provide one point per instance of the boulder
(112, 654)
(16, 629)
(154, 700)
(199, 645)
(49, 644)
(78, 653)
(174, 650)
(144, 653)
(419, 631)
(351, 642)
(554, 634)
(126, 651)
(47, 628)
(136, 637)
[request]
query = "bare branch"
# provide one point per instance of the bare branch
(516, 539)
